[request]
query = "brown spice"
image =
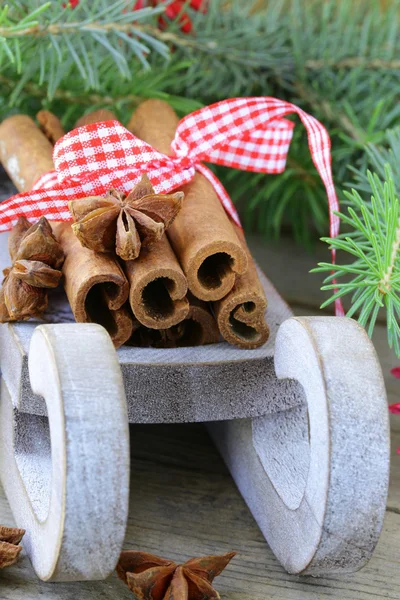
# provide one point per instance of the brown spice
(144, 337)
(94, 116)
(241, 314)
(150, 577)
(25, 152)
(50, 125)
(124, 223)
(202, 236)
(96, 286)
(198, 328)
(157, 287)
(10, 538)
(37, 258)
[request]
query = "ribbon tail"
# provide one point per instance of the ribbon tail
(339, 310)
(320, 149)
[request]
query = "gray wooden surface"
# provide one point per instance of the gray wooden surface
(184, 502)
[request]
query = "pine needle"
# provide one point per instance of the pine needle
(373, 279)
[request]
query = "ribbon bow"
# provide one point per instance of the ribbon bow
(244, 133)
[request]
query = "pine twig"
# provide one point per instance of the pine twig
(353, 62)
(385, 284)
(324, 107)
(68, 96)
(373, 279)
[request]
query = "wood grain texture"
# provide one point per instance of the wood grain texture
(58, 471)
(184, 503)
(393, 501)
(387, 358)
(322, 503)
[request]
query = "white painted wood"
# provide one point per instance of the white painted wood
(316, 477)
(286, 478)
(67, 477)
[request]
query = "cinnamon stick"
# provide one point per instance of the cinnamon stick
(50, 125)
(202, 235)
(241, 314)
(198, 328)
(201, 326)
(96, 286)
(157, 283)
(158, 287)
(25, 152)
(103, 114)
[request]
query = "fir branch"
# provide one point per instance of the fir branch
(329, 113)
(377, 158)
(373, 279)
(353, 62)
(93, 33)
(105, 54)
(385, 284)
(109, 28)
(67, 96)
(82, 100)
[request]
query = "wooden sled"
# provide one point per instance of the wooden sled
(302, 424)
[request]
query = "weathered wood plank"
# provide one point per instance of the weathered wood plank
(393, 503)
(184, 502)
(387, 359)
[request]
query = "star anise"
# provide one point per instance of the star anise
(10, 538)
(124, 223)
(37, 257)
(150, 577)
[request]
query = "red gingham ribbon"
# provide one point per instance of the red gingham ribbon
(244, 133)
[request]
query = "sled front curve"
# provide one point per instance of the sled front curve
(316, 476)
(67, 476)
(301, 422)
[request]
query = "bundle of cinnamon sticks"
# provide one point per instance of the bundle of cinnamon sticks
(154, 270)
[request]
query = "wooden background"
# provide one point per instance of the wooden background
(184, 503)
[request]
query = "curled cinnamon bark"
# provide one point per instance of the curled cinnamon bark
(157, 283)
(197, 329)
(202, 236)
(50, 125)
(158, 287)
(201, 326)
(103, 114)
(241, 314)
(96, 286)
(25, 152)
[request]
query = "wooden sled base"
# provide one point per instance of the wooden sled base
(313, 464)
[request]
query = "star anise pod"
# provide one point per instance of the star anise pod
(150, 577)
(124, 223)
(37, 257)
(10, 538)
